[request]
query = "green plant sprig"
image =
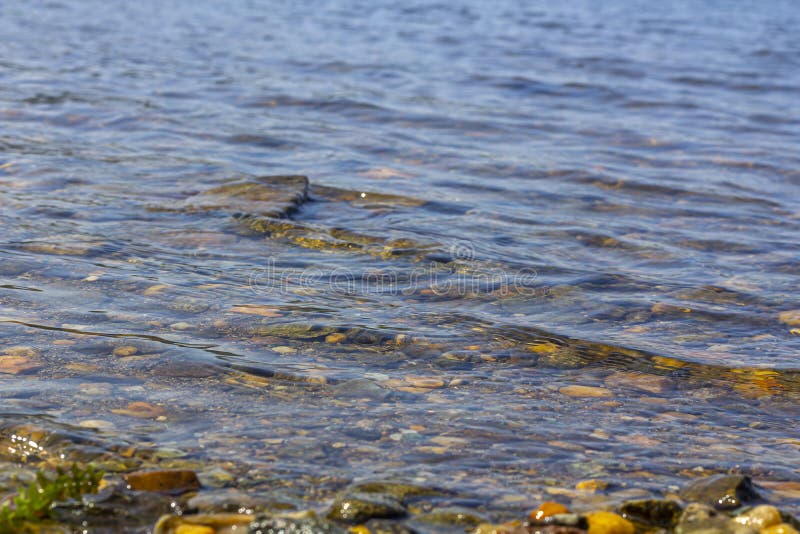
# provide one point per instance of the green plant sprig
(35, 503)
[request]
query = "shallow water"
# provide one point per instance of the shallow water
(503, 202)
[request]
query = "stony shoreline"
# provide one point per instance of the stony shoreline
(213, 501)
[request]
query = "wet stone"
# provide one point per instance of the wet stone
(360, 388)
(362, 434)
(547, 509)
(202, 524)
(186, 369)
(267, 196)
(653, 512)
(309, 524)
(359, 507)
(724, 492)
(608, 523)
(189, 305)
(167, 480)
(399, 490)
(455, 516)
(294, 330)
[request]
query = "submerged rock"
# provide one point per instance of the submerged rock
(268, 196)
(202, 523)
(166, 480)
(307, 523)
(399, 490)
(724, 492)
(357, 508)
(453, 516)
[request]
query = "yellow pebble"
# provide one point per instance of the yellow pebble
(591, 485)
(125, 351)
(760, 517)
(783, 528)
(546, 509)
(608, 523)
(338, 337)
(194, 529)
(360, 529)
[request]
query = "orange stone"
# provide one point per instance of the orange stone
(169, 480)
(14, 365)
(546, 509)
(337, 337)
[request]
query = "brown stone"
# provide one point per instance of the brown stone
(167, 480)
(15, 365)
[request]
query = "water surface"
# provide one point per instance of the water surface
(504, 201)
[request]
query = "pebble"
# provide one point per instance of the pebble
(360, 507)
(337, 337)
(22, 351)
(425, 382)
(126, 350)
(641, 381)
(253, 309)
(142, 410)
(585, 391)
(760, 517)
(169, 480)
(284, 350)
(15, 365)
(591, 485)
(99, 424)
(608, 523)
(180, 326)
(154, 290)
(547, 509)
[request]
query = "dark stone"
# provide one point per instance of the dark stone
(724, 492)
(360, 388)
(362, 434)
(266, 524)
(187, 369)
(453, 515)
(652, 512)
(358, 508)
(399, 490)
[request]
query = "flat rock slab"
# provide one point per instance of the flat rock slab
(264, 196)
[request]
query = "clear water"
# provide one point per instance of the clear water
(582, 195)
